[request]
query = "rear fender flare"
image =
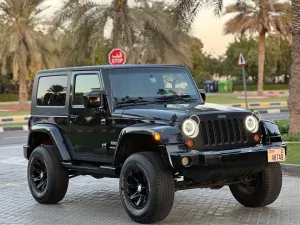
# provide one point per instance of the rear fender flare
(58, 138)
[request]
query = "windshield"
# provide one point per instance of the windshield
(151, 82)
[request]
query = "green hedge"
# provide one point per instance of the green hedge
(267, 87)
(291, 137)
(9, 97)
(284, 130)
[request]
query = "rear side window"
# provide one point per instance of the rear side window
(52, 91)
(85, 83)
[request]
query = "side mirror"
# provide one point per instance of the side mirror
(203, 95)
(93, 100)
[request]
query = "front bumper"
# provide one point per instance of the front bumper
(235, 158)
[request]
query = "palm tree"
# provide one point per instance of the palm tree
(294, 96)
(262, 17)
(185, 11)
(143, 30)
(22, 43)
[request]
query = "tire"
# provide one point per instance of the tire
(160, 190)
(51, 186)
(266, 190)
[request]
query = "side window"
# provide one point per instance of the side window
(52, 91)
(85, 83)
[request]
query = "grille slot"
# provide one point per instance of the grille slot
(223, 132)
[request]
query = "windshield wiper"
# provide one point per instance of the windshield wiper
(166, 98)
(132, 101)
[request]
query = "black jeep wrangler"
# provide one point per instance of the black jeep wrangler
(148, 125)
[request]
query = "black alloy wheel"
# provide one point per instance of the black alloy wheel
(146, 188)
(137, 188)
(38, 173)
(48, 180)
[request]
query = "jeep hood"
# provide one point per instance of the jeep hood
(166, 112)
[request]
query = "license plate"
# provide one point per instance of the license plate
(276, 155)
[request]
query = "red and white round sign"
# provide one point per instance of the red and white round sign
(117, 57)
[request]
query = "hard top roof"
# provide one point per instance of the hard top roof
(81, 68)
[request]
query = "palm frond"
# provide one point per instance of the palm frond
(185, 11)
(265, 16)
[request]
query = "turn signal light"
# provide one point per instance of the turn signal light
(190, 143)
(256, 138)
(157, 136)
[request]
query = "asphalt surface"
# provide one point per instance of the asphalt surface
(91, 201)
(276, 116)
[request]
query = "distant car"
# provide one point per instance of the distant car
(129, 122)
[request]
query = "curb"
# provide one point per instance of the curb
(14, 119)
(15, 128)
(273, 111)
(266, 92)
(290, 169)
(26, 118)
(263, 104)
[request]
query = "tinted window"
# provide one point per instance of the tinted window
(85, 83)
(52, 91)
(151, 82)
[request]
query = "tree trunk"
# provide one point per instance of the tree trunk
(119, 7)
(261, 62)
(116, 31)
(294, 97)
(23, 94)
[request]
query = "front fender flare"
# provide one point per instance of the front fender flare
(270, 133)
(170, 136)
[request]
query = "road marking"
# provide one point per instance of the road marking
(14, 137)
(13, 185)
(8, 147)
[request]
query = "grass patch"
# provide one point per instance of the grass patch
(267, 87)
(232, 99)
(14, 113)
(9, 105)
(293, 154)
(12, 124)
(282, 122)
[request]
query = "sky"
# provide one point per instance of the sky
(206, 27)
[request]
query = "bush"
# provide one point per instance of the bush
(283, 128)
(291, 137)
(8, 97)
(267, 87)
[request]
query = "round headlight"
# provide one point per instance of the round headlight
(190, 128)
(252, 124)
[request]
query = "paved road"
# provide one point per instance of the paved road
(276, 116)
(91, 201)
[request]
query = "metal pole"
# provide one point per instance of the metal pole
(245, 85)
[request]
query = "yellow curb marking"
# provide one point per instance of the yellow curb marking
(13, 185)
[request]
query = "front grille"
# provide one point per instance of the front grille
(223, 132)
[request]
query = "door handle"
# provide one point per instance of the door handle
(73, 117)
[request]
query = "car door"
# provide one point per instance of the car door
(88, 130)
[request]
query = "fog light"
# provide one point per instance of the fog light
(185, 161)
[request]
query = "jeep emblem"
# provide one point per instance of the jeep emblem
(221, 116)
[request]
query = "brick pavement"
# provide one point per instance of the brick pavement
(90, 201)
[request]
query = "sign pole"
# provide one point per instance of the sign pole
(242, 62)
(245, 85)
